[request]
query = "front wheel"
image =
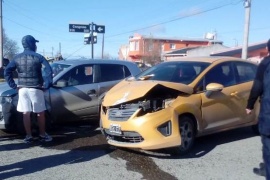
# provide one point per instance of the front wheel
(19, 125)
(187, 132)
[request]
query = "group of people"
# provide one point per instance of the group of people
(31, 85)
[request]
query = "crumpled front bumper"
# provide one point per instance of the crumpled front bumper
(142, 132)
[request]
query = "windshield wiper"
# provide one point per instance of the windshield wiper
(146, 77)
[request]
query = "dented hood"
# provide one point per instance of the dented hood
(129, 90)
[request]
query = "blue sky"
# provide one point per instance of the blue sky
(48, 21)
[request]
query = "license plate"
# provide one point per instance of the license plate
(115, 128)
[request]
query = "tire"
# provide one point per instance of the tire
(255, 129)
(48, 121)
(35, 126)
(187, 132)
(19, 126)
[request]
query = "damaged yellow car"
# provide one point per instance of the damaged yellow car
(172, 103)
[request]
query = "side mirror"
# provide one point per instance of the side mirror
(213, 87)
(61, 83)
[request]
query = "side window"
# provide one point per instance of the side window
(222, 74)
(112, 72)
(79, 75)
(245, 71)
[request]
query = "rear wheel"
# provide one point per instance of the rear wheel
(19, 123)
(187, 132)
(35, 126)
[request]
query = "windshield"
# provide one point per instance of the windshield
(179, 72)
(57, 68)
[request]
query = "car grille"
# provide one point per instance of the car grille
(126, 137)
(116, 114)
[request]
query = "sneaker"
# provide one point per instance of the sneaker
(45, 138)
(259, 171)
(28, 139)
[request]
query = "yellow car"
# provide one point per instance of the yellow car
(172, 103)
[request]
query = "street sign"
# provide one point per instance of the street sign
(99, 28)
(88, 39)
(79, 28)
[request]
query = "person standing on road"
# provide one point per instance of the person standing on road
(261, 88)
(30, 86)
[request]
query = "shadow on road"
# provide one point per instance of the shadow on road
(82, 143)
(38, 164)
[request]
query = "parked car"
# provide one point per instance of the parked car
(173, 102)
(78, 89)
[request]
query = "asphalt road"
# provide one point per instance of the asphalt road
(81, 152)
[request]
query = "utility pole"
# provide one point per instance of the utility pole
(60, 48)
(247, 4)
(102, 52)
(1, 35)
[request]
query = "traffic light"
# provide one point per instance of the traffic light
(88, 39)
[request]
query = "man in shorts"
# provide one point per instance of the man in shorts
(30, 86)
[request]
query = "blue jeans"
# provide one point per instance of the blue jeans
(266, 154)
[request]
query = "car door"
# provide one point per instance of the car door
(79, 98)
(109, 75)
(226, 108)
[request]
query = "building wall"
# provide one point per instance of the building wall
(206, 50)
(139, 46)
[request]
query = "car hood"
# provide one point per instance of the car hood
(5, 90)
(129, 90)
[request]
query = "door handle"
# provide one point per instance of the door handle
(234, 93)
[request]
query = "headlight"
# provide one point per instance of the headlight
(5, 104)
(4, 100)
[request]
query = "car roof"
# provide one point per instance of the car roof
(209, 59)
(94, 61)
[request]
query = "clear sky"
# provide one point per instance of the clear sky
(48, 21)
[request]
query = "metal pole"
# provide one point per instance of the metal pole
(1, 35)
(102, 46)
(92, 39)
(60, 48)
(247, 5)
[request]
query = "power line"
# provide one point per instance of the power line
(75, 51)
(175, 19)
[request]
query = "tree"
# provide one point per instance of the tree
(152, 51)
(10, 47)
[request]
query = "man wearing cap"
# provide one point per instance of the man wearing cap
(30, 86)
(261, 88)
